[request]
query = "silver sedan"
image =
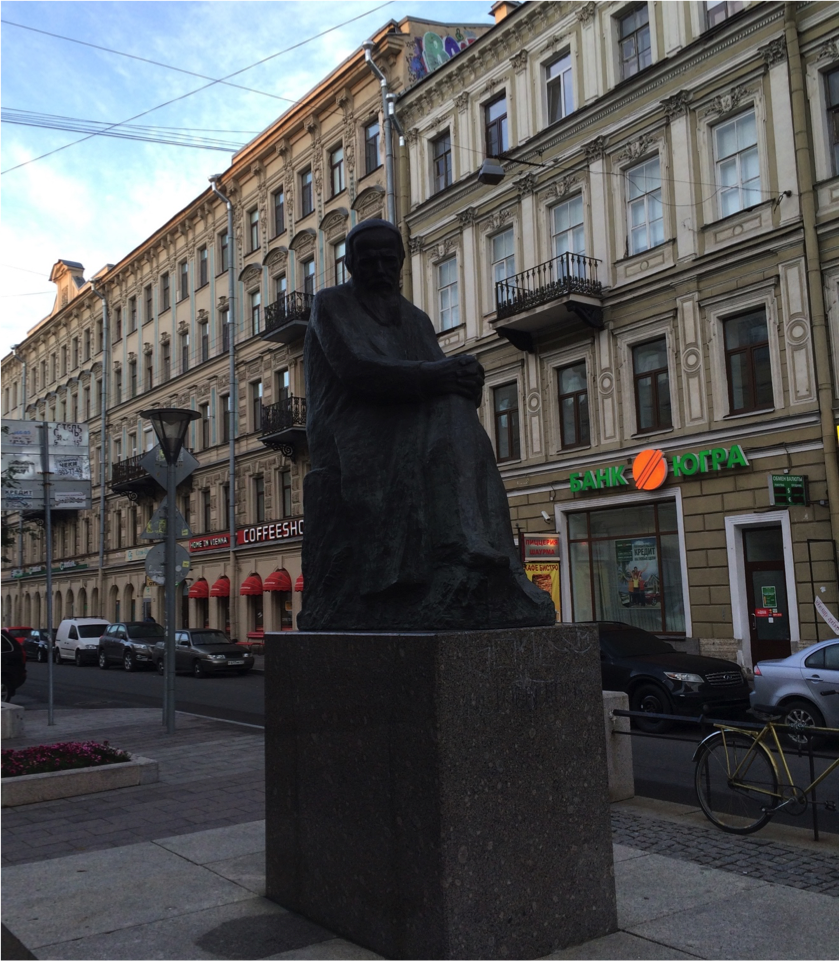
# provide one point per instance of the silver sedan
(800, 683)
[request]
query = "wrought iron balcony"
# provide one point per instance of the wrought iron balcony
(286, 319)
(284, 424)
(129, 478)
(546, 294)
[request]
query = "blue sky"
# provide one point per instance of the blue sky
(97, 200)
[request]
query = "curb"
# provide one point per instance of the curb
(31, 788)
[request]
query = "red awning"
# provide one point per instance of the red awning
(221, 588)
(251, 585)
(298, 584)
(200, 588)
(278, 581)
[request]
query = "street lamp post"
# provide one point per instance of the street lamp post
(170, 424)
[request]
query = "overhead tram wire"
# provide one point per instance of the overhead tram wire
(213, 83)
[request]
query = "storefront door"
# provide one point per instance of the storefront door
(766, 592)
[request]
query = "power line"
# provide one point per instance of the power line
(37, 293)
(26, 270)
(151, 128)
(235, 73)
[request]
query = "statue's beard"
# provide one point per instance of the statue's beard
(383, 304)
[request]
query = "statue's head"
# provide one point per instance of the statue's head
(374, 255)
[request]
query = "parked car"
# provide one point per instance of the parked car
(13, 665)
(37, 644)
(77, 639)
(799, 683)
(661, 680)
(19, 633)
(203, 651)
(129, 643)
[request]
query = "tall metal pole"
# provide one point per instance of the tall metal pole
(104, 447)
(45, 474)
(390, 190)
(171, 586)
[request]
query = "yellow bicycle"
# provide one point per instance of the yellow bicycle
(739, 784)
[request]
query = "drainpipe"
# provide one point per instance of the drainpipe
(104, 445)
(231, 414)
(20, 517)
(818, 319)
(404, 200)
(368, 46)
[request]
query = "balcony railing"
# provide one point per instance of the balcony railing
(288, 414)
(566, 274)
(125, 471)
(286, 318)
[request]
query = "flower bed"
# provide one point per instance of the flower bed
(49, 758)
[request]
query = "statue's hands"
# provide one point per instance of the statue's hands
(456, 375)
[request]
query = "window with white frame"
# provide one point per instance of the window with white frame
(831, 85)
(339, 251)
(495, 126)
(441, 150)
(447, 294)
(308, 267)
(256, 306)
(719, 10)
(737, 163)
(503, 265)
(568, 238)
(645, 219)
(372, 159)
(336, 170)
(280, 287)
(559, 87)
(634, 41)
(253, 223)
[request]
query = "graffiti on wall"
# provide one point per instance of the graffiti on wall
(431, 50)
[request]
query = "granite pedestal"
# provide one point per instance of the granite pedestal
(440, 795)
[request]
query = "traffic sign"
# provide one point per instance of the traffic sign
(156, 527)
(156, 564)
(155, 463)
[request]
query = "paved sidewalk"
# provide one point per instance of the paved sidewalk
(176, 870)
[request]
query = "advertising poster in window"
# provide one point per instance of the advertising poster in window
(637, 568)
(546, 576)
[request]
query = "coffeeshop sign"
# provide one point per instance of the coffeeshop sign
(651, 468)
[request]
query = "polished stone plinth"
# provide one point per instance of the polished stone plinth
(440, 795)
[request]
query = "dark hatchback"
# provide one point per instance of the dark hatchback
(661, 680)
(130, 644)
(203, 651)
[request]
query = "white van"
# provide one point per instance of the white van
(77, 639)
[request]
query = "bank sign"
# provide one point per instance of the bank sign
(651, 467)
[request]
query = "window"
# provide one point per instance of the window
(132, 314)
(441, 152)
(74, 352)
(256, 302)
(165, 296)
(259, 499)
(224, 414)
(747, 363)
(447, 297)
(253, 222)
(203, 273)
(738, 169)
(831, 82)
(184, 352)
(117, 324)
(118, 544)
(118, 386)
(372, 159)
(281, 386)
(86, 343)
(336, 170)
(63, 360)
(506, 412)
(223, 252)
(306, 198)
(86, 408)
(574, 423)
(132, 443)
(719, 10)
(225, 499)
(149, 439)
(225, 329)
(74, 408)
(559, 88)
(339, 252)
(644, 212)
(185, 504)
(206, 510)
(256, 405)
(567, 232)
(308, 276)
(100, 332)
(148, 316)
(148, 373)
(166, 358)
(503, 257)
(285, 490)
(634, 41)
(652, 385)
(279, 211)
(204, 411)
(132, 378)
(183, 274)
(204, 336)
(132, 525)
(280, 287)
(495, 126)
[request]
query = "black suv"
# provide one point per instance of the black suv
(13, 664)
(129, 643)
(661, 680)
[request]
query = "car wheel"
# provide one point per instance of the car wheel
(802, 712)
(77, 657)
(41, 656)
(198, 670)
(103, 661)
(653, 700)
(128, 661)
(56, 656)
(161, 666)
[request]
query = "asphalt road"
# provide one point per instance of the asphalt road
(663, 765)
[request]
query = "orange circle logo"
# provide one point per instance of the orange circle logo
(649, 469)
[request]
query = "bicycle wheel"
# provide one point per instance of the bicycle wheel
(744, 805)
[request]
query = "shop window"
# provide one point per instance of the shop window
(372, 159)
(645, 219)
(719, 10)
(495, 126)
(747, 363)
(652, 386)
(634, 41)
(306, 197)
(559, 88)
(336, 170)
(506, 414)
(625, 565)
(223, 252)
(447, 294)
(441, 152)
(574, 423)
(737, 164)
(279, 211)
